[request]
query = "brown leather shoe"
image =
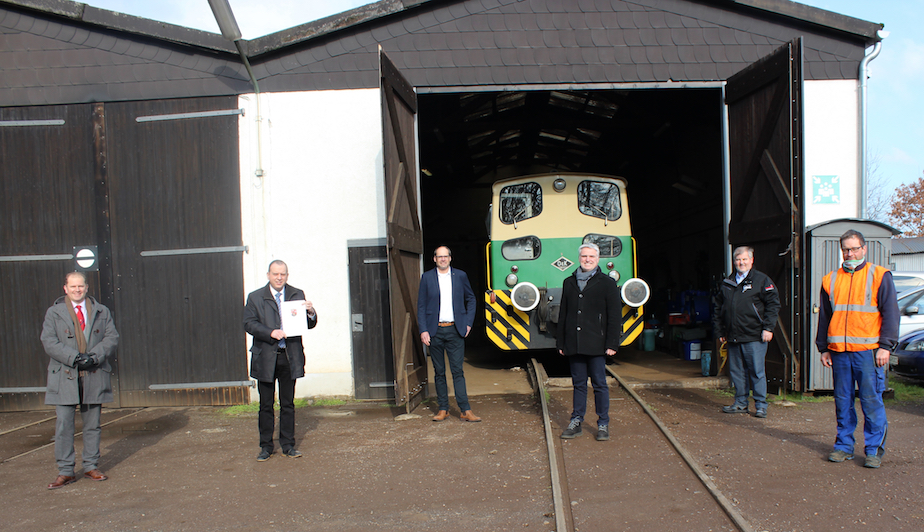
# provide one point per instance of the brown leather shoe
(61, 481)
(469, 416)
(95, 474)
(441, 415)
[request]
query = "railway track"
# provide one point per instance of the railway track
(641, 479)
(33, 436)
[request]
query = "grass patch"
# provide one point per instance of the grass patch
(253, 408)
(794, 397)
(905, 391)
(797, 397)
(326, 402)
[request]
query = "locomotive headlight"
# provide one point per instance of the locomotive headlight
(635, 292)
(610, 265)
(558, 184)
(525, 296)
(512, 279)
(614, 274)
(514, 268)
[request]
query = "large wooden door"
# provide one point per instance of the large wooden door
(766, 179)
(404, 235)
(48, 205)
(175, 185)
(155, 186)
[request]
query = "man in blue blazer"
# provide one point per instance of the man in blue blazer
(445, 314)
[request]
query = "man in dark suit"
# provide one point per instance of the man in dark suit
(275, 357)
(589, 330)
(445, 314)
(80, 337)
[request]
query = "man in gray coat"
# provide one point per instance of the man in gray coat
(80, 337)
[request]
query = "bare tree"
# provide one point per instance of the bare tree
(907, 212)
(878, 196)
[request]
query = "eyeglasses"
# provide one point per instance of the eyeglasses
(851, 250)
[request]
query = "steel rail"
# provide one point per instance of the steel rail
(27, 425)
(723, 502)
(564, 522)
(20, 455)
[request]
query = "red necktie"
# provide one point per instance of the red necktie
(83, 323)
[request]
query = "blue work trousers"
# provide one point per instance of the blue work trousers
(746, 369)
(583, 366)
(448, 340)
(858, 371)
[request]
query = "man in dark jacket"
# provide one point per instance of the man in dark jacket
(589, 330)
(276, 357)
(744, 315)
(80, 338)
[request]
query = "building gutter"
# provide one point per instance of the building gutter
(864, 171)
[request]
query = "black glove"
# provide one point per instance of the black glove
(84, 362)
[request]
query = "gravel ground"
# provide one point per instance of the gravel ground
(776, 470)
(367, 467)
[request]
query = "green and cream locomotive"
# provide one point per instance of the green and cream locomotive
(537, 223)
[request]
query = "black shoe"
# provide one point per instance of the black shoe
(264, 455)
(574, 429)
(761, 413)
(292, 453)
(603, 433)
(735, 409)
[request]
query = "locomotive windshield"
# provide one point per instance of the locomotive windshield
(526, 248)
(610, 246)
(600, 200)
(520, 202)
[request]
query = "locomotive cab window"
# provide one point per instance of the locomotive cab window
(610, 246)
(526, 248)
(520, 202)
(600, 200)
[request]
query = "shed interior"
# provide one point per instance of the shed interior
(667, 143)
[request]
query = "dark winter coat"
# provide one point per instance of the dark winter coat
(741, 312)
(261, 318)
(589, 321)
(60, 342)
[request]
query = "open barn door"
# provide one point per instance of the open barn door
(404, 236)
(766, 181)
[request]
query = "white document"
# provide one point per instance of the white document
(294, 318)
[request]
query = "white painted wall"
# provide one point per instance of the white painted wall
(322, 186)
(831, 133)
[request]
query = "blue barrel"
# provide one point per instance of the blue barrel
(648, 339)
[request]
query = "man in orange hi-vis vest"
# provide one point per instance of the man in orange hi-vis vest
(857, 330)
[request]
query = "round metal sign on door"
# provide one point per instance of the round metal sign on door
(86, 258)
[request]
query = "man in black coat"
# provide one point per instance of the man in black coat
(275, 357)
(589, 330)
(744, 315)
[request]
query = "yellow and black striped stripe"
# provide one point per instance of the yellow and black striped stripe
(510, 328)
(633, 321)
(506, 326)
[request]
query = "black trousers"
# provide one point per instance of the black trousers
(286, 406)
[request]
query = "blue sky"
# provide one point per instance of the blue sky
(895, 109)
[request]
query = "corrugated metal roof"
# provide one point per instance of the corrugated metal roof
(902, 246)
